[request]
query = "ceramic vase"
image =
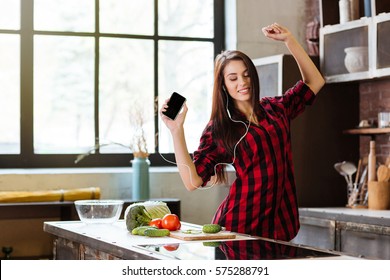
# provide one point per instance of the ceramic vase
(356, 59)
(140, 180)
(344, 11)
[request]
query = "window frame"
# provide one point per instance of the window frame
(27, 158)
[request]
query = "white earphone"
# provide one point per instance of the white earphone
(234, 149)
(227, 101)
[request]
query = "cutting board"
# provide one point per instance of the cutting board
(202, 236)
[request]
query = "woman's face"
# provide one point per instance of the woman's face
(237, 81)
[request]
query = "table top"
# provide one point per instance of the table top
(118, 241)
(115, 233)
(113, 238)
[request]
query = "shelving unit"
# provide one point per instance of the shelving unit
(368, 131)
(329, 10)
(370, 32)
(372, 132)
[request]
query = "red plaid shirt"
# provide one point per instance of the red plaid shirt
(262, 200)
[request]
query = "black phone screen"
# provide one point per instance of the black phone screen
(175, 104)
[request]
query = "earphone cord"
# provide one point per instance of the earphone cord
(225, 163)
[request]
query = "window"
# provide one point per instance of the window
(76, 74)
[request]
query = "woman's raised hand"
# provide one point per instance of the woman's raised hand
(277, 32)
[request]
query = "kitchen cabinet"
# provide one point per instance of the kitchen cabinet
(359, 232)
(317, 135)
(317, 232)
(355, 50)
(276, 74)
(366, 240)
(334, 47)
(381, 33)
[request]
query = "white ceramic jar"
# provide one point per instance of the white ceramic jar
(356, 59)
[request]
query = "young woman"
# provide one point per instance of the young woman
(253, 135)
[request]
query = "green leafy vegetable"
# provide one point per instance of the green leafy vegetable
(141, 213)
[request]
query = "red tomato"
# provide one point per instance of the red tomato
(171, 222)
(171, 247)
(156, 222)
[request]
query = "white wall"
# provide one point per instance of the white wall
(252, 15)
(246, 17)
(115, 183)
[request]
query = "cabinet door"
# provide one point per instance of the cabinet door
(381, 36)
(269, 70)
(318, 233)
(345, 51)
(364, 240)
(276, 74)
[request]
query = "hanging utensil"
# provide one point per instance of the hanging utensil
(348, 168)
(337, 166)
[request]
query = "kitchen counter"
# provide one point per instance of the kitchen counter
(361, 215)
(358, 232)
(29, 217)
(76, 240)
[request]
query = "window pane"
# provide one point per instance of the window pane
(64, 15)
(187, 68)
(126, 86)
(186, 18)
(63, 94)
(127, 17)
(9, 94)
(10, 14)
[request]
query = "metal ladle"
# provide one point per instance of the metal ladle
(348, 168)
(337, 166)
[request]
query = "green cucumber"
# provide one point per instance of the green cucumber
(212, 243)
(154, 232)
(141, 230)
(211, 228)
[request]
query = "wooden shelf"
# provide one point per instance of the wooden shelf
(367, 131)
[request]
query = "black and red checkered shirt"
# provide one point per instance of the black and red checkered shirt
(262, 200)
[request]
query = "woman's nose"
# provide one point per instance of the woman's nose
(242, 80)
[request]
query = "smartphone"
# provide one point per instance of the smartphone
(175, 104)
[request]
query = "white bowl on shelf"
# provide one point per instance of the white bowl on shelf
(99, 211)
(356, 59)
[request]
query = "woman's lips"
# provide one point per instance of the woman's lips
(243, 90)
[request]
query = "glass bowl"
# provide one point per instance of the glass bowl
(99, 211)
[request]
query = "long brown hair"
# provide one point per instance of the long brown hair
(225, 130)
